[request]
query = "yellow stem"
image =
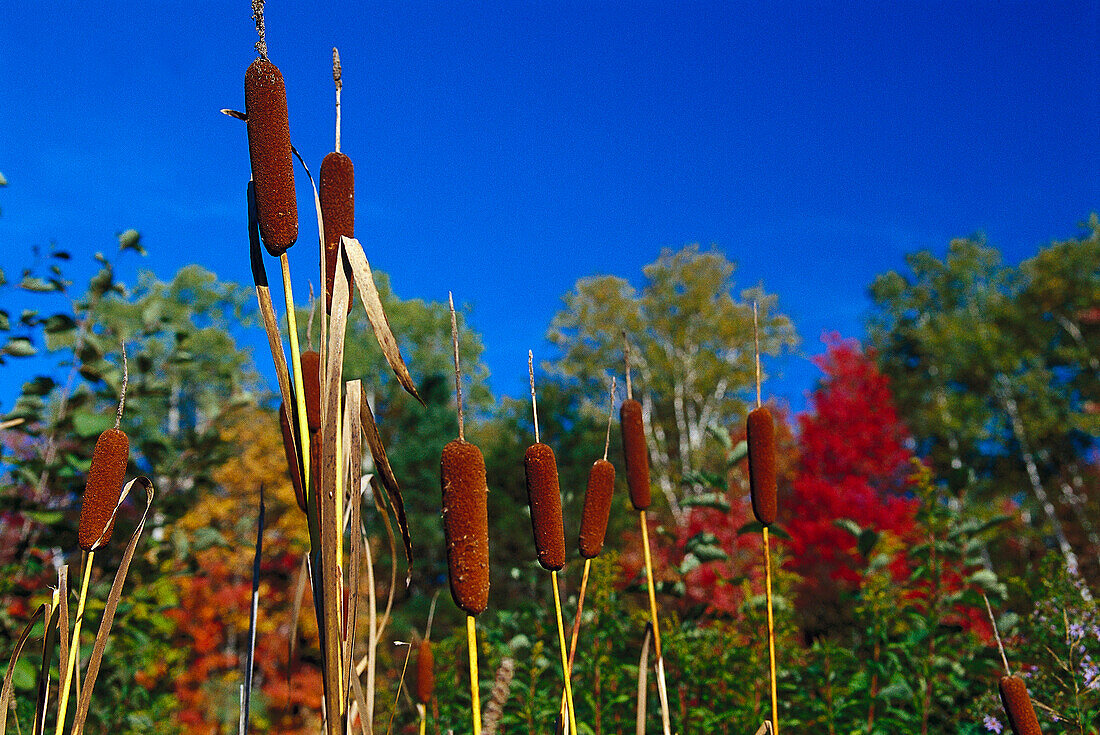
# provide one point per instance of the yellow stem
(564, 656)
(475, 694)
(771, 629)
(649, 582)
(296, 360)
(576, 628)
(74, 647)
(423, 712)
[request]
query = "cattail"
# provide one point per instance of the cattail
(337, 194)
(634, 450)
(762, 483)
(311, 384)
(597, 507)
(544, 497)
(466, 524)
(269, 151)
(101, 494)
(425, 672)
(1021, 715)
(286, 424)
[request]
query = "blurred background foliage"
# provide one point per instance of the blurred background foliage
(953, 454)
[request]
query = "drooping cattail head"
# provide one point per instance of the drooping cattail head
(635, 453)
(544, 497)
(269, 151)
(311, 384)
(1017, 704)
(597, 507)
(101, 494)
(466, 524)
(337, 194)
(425, 672)
(287, 425)
(762, 482)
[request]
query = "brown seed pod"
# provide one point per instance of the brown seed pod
(286, 423)
(762, 483)
(425, 672)
(337, 194)
(269, 151)
(597, 507)
(635, 453)
(466, 524)
(544, 497)
(1021, 715)
(311, 384)
(101, 494)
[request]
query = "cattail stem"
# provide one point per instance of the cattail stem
(564, 655)
(475, 694)
(296, 361)
(756, 350)
(610, 414)
(576, 630)
(649, 583)
(534, 403)
(771, 628)
(122, 392)
(74, 647)
(458, 369)
(423, 712)
(337, 78)
(997, 635)
(653, 621)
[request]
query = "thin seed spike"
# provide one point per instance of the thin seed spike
(458, 368)
(258, 17)
(997, 635)
(337, 78)
(756, 350)
(610, 414)
(125, 380)
(534, 404)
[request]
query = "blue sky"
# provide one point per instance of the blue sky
(504, 150)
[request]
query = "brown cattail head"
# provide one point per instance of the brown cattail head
(544, 497)
(762, 484)
(425, 672)
(597, 507)
(108, 470)
(337, 194)
(635, 452)
(269, 151)
(311, 384)
(1021, 715)
(288, 425)
(466, 524)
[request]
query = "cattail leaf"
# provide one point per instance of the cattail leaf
(49, 642)
(643, 671)
(5, 692)
(295, 616)
(364, 280)
(377, 494)
(63, 623)
(353, 437)
(110, 606)
(389, 481)
(247, 698)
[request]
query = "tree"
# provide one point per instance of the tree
(992, 372)
(691, 352)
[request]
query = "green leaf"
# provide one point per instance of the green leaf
(706, 500)
(758, 527)
(847, 524)
(709, 552)
(984, 578)
(5, 320)
(131, 240)
(738, 453)
(87, 424)
(45, 517)
(58, 323)
(689, 563)
(39, 386)
(39, 285)
(866, 541)
(19, 347)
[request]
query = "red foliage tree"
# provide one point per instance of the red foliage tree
(854, 464)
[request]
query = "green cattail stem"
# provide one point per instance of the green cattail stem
(564, 655)
(74, 647)
(771, 629)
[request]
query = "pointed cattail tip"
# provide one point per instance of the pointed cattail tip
(108, 470)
